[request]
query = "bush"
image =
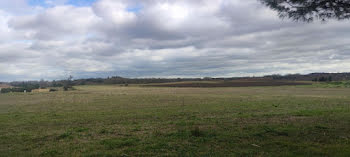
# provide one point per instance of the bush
(66, 88)
(5, 90)
(53, 90)
(9, 90)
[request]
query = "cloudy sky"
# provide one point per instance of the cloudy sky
(52, 39)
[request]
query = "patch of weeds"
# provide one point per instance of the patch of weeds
(104, 131)
(181, 123)
(137, 128)
(118, 143)
(25, 136)
(4, 138)
(185, 134)
(99, 155)
(159, 145)
(157, 133)
(82, 129)
(321, 127)
(275, 131)
(50, 153)
(196, 132)
(65, 135)
(180, 134)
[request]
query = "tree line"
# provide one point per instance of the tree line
(67, 84)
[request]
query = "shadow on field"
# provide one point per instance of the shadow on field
(236, 83)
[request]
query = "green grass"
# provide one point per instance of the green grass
(334, 84)
(150, 121)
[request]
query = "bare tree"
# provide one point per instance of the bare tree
(43, 84)
(68, 83)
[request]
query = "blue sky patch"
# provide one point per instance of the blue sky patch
(81, 2)
(37, 3)
(134, 9)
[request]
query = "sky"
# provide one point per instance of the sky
(52, 39)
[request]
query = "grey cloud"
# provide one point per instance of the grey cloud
(169, 39)
(54, 23)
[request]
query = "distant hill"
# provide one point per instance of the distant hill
(290, 77)
(312, 77)
(320, 77)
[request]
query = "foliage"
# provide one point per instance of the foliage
(28, 86)
(323, 79)
(9, 90)
(309, 10)
(334, 84)
(53, 90)
(68, 84)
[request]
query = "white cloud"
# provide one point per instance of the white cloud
(161, 38)
(113, 11)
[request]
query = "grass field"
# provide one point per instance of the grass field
(161, 121)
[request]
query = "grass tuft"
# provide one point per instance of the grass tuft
(196, 132)
(118, 143)
(66, 135)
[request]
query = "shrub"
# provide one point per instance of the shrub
(8, 90)
(53, 90)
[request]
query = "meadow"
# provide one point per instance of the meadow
(110, 120)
